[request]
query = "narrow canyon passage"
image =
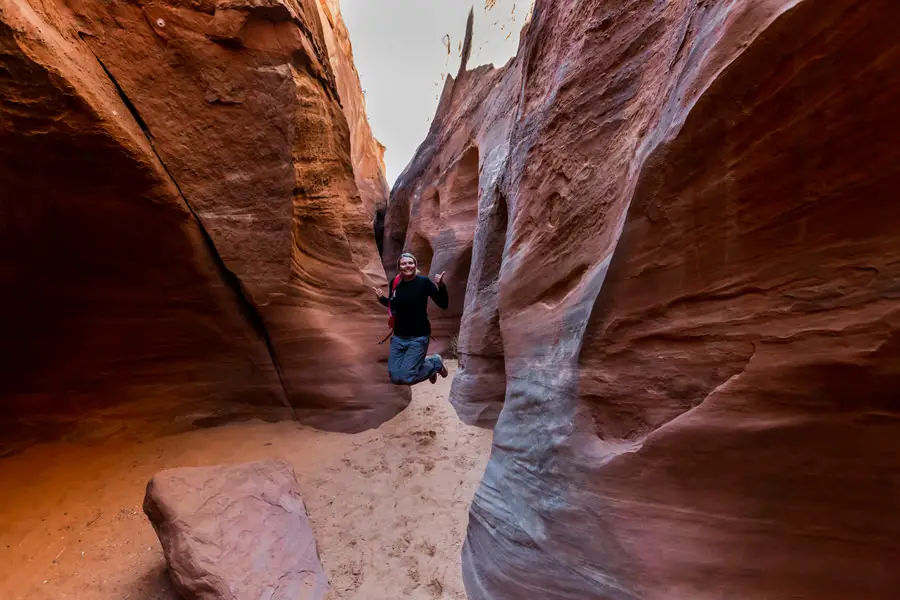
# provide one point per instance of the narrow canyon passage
(669, 236)
(388, 506)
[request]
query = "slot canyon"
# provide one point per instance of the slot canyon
(673, 331)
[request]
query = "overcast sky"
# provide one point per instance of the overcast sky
(399, 51)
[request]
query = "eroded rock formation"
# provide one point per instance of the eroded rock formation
(367, 152)
(683, 297)
(182, 223)
(236, 531)
(434, 202)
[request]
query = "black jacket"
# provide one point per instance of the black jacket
(409, 304)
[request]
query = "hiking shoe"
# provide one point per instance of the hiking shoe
(443, 370)
(433, 378)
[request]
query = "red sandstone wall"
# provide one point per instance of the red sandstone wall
(182, 223)
(682, 315)
(366, 152)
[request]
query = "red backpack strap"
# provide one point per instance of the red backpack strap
(391, 289)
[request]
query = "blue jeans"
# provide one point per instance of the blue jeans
(408, 364)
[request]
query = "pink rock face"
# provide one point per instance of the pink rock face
(236, 531)
(696, 309)
(183, 219)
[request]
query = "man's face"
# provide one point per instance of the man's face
(407, 266)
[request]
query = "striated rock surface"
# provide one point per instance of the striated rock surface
(367, 153)
(689, 244)
(236, 531)
(182, 222)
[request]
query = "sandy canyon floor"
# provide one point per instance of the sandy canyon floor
(388, 507)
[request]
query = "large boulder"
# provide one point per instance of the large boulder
(693, 368)
(182, 220)
(236, 531)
